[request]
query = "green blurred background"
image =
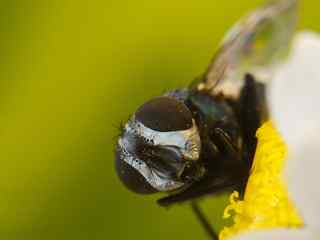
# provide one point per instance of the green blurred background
(70, 72)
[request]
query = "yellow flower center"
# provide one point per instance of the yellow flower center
(266, 203)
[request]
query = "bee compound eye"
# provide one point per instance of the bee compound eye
(164, 114)
(131, 178)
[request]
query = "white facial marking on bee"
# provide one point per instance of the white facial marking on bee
(187, 141)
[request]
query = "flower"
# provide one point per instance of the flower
(266, 203)
(294, 97)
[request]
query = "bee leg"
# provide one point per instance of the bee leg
(224, 142)
(204, 221)
(233, 162)
(252, 112)
(202, 188)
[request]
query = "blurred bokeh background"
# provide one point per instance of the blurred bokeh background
(70, 72)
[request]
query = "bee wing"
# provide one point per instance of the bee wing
(256, 45)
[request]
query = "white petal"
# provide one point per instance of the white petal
(279, 234)
(295, 102)
(295, 91)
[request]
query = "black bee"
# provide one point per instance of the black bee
(200, 140)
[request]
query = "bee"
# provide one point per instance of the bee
(200, 140)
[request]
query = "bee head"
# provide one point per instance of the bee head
(159, 148)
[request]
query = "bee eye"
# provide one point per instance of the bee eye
(131, 178)
(164, 114)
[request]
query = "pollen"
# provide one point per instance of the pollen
(266, 203)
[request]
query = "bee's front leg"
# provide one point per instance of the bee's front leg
(253, 112)
(207, 186)
(225, 145)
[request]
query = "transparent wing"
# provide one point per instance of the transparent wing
(256, 45)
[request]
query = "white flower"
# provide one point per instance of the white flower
(294, 97)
